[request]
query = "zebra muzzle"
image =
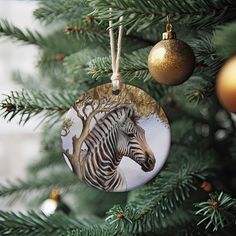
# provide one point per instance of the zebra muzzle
(149, 164)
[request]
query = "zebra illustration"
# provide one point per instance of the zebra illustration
(114, 136)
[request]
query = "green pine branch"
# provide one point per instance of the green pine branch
(37, 187)
(160, 203)
(54, 10)
(177, 185)
(89, 30)
(134, 70)
(209, 62)
(75, 64)
(51, 62)
(33, 223)
(27, 104)
(27, 36)
(217, 212)
(199, 90)
(28, 82)
(177, 219)
(133, 66)
(224, 39)
(96, 230)
(142, 14)
(149, 209)
(40, 186)
(95, 35)
(56, 42)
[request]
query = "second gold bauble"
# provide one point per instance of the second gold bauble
(171, 61)
(226, 85)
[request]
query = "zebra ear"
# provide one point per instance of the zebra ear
(128, 112)
(123, 118)
(133, 115)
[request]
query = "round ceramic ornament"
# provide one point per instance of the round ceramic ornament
(115, 142)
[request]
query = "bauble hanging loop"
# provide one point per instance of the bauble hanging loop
(116, 85)
(115, 57)
(171, 61)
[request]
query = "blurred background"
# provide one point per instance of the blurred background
(19, 144)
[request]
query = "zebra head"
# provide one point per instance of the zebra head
(132, 141)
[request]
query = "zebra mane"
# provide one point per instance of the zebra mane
(117, 113)
(129, 111)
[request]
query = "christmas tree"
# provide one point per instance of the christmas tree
(194, 194)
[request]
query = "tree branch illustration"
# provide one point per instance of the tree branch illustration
(102, 105)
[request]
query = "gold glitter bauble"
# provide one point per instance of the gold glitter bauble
(226, 85)
(171, 61)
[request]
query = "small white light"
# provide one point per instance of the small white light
(49, 207)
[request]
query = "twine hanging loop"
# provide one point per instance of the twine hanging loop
(115, 56)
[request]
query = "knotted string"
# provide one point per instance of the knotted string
(115, 57)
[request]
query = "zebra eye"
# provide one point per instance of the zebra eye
(131, 135)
